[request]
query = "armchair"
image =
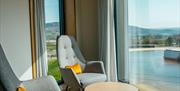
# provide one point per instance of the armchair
(70, 54)
(9, 81)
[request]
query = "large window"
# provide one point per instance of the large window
(154, 28)
(52, 29)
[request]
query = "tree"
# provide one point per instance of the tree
(169, 41)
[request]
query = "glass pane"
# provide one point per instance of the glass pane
(154, 44)
(52, 31)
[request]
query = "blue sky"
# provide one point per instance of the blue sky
(51, 10)
(154, 13)
(142, 13)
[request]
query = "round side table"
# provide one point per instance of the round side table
(110, 86)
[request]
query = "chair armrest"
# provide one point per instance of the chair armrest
(47, 83)
(94, 67)
(70, 78)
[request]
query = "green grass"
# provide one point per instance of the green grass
(53, 69)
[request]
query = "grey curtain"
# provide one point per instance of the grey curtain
(41, 50)
(121, 23)
(107, 38)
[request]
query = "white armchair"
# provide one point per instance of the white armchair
(70, 54)
(9, 81)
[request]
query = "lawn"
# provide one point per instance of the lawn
(53, 69)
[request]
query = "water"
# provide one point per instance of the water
(150, 68)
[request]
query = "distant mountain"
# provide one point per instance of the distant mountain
(134, 31)
(52, 30)
(54, 26)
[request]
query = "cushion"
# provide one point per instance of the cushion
(89, 78)
(44, 83)
(21, 88)
(76, 68)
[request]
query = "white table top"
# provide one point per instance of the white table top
(110, 86)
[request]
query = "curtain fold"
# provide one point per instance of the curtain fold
(107, 38)
(121, 25)
(41, 50)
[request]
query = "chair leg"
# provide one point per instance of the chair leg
(66, 88)
(74, 89)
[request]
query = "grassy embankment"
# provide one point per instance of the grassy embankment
(53, 67)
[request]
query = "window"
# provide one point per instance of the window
(145, 29)
(154, 27)
(52, 29)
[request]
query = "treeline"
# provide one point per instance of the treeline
(155, 41)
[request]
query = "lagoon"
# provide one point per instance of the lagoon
(149, 69)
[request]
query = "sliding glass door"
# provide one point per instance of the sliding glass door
(148, 43)
(154, 44)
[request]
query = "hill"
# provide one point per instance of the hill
(52, 30)
(134, 31)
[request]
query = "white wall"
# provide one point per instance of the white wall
(15, 36)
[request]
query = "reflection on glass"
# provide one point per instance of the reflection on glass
(154, 28)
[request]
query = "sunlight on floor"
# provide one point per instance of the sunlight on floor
(144, 87)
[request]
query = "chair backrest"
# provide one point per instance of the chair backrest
(8, 79)
(68, 52)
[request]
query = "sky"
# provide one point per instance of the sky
(51, 11)
(142, 13)
(154, 13)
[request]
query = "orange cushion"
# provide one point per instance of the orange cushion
(21, 88)
(76, 68)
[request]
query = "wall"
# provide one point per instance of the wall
(15, 36)
(87, 27)
(70, 19)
